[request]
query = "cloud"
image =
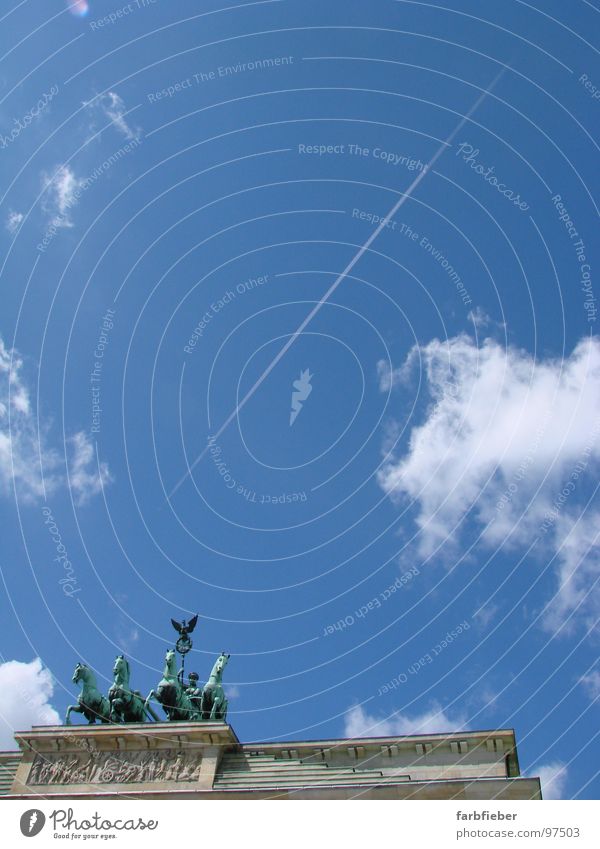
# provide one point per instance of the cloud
(505, 440)
(113, 107)
(553, 778)
(13, 222)
(127, 637)
(23, 452)
(480, 320)
(86, 476)
(62, 192)
(26, 452)
(591, 684)
(488, 698)
(479, 317)
(358, 723)
(389, 377)
(25, 693)
(577, 541)
(486, 614)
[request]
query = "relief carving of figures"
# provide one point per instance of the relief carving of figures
(119, 767)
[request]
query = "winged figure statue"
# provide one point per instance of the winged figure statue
(185, 628)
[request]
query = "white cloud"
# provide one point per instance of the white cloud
(390, 377)
(358, 723)
(127, 637)
(488, 699)
(487, 614)
(479, 317)
(13, 222)
(10, 366)
(62, 191)
(25, 693)
(86, 476)
(577, 541)
(25, 451)
(385, 375)
(553, 778)
(480, 320)
(591, 683)
(502, 437)
(113, 107)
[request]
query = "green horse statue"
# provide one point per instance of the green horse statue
(171, 695)
(90, 702)
(126, 705)
(214, 703)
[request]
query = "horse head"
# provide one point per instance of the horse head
(170, 664)
(79, 673)
(121, 669)
(220, 664)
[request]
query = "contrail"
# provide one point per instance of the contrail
(400, 202)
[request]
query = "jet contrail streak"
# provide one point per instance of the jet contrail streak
(400, 202)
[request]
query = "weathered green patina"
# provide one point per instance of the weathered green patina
(180, 701)
(214, 703)
(126, 705)
(90, 702)
(171, 694)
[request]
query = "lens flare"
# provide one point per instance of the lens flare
(78, 7)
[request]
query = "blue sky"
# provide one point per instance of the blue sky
(417, 550)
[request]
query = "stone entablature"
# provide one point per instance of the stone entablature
(204, 759)
(474, 754)
(76, 758)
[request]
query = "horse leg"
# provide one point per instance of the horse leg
(147, 706)
(150, 713)
(105, 709)
(215, 707)
(151, 695)
(100, 711)
(116, 714)
(138, 712)
(72, 709)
